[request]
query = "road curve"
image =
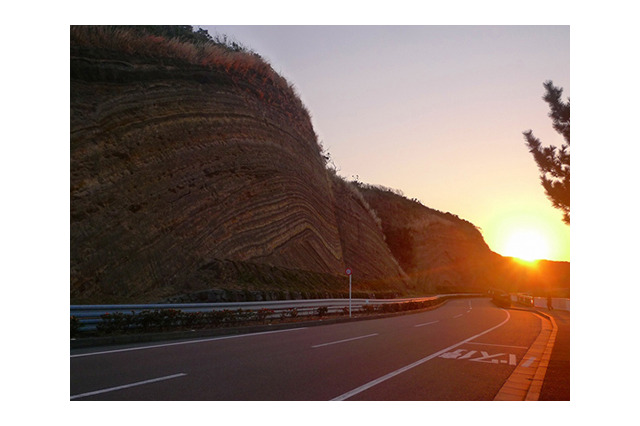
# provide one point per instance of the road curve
(464, 350)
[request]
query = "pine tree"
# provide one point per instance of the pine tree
(554, 163)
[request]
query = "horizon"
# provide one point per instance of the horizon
(440, 118)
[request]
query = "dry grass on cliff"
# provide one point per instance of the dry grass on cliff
(214, 55)
(142, 44)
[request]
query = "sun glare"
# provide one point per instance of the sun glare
(527, 245)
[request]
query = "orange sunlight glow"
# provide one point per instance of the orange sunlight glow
(527, 245)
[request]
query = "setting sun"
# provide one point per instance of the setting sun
(527, 245)
(523, 231)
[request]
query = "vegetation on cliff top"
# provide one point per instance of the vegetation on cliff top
(391, 193)
(181, 42)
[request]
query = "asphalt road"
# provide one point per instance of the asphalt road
(464, 350)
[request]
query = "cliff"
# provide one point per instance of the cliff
(183, 156)
(439, 251)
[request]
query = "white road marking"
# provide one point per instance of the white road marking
(386, 377)
(487, 358)
(345, 340)
(145, 382)
(426, 323)
(494, 344)
(457, 354)
(467, 355)
(529, 362)
(458, 316)
(185, 343)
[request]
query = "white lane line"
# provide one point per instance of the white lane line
(458, 316)
(529, 362)
(186, 343)
(426, 323)
(145, 382)
(345, 340)
(493, 344)
(386, 377)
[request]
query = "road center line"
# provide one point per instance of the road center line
(186, 343)
(345, 340)
(144, 382)
(426, 323)
(415, 364)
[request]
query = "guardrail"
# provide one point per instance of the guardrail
(559, 303)
(90, 316)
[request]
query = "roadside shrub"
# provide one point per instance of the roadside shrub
(214, 318)
(75, 326)
(368, 309)
(389, 307)
(170, 318)
(193, 319)
(289, 313)
(241, 315)
(410, 306)
(148, 320)
(116, 322)
(263, 314)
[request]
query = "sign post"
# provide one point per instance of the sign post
(348, 272)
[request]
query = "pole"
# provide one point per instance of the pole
(348, 271)
(349, 295)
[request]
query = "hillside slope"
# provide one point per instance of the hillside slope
(182, 158)
(439, 251)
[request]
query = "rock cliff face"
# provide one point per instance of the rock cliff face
(177, 164)
(439, 251)
(363, 241)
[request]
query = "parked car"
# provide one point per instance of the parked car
(525, 299)
(501, 299)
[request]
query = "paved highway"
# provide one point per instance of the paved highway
(464, 350)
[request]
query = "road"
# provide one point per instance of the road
(464, 350)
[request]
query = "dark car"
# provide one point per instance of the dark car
(501, 299)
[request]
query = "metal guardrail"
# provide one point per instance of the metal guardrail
(90, 315)
(526, 299)
(561, 304)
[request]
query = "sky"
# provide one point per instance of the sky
(434, 111)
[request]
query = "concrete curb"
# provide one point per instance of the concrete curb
(525, 383)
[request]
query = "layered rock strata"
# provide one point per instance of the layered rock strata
(439, 251)
(363, 241)
(176, 164)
